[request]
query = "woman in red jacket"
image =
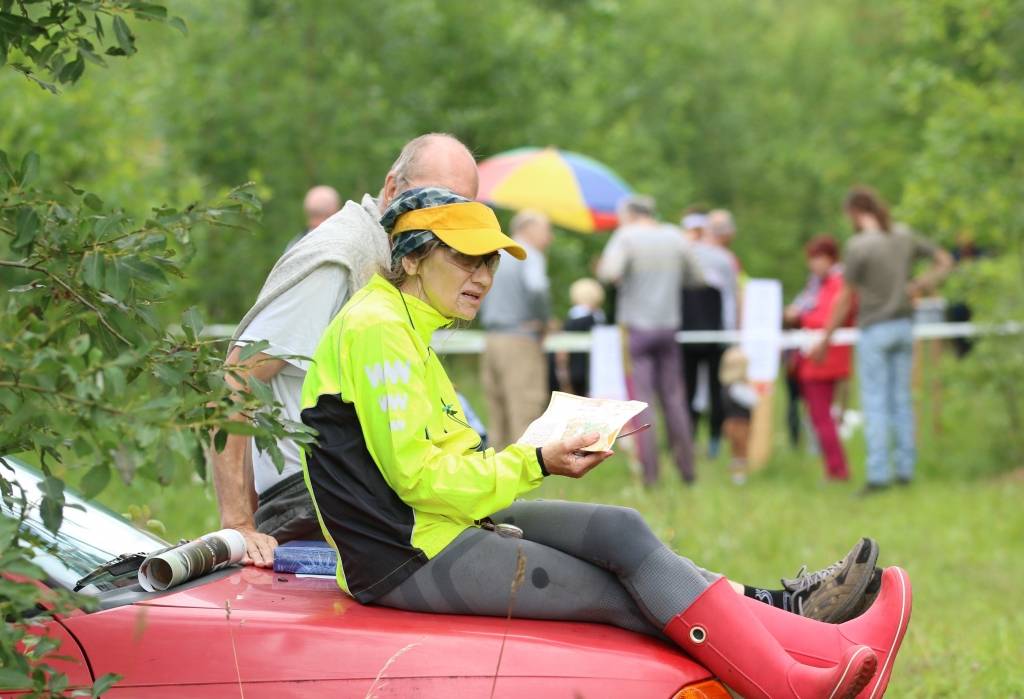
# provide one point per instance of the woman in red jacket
(818, 380)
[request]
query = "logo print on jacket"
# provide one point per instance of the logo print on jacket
(389, 372)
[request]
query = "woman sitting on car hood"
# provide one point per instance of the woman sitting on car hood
(410, 502)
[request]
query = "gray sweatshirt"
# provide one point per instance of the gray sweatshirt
(649, 264)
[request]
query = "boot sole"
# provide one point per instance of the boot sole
(858, 672)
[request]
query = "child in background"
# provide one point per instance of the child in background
(738, 400)
(572, 370)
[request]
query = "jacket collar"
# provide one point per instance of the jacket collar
(425, 318)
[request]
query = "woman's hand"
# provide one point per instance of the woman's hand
(565, 458)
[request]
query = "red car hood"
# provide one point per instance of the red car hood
(271, 627)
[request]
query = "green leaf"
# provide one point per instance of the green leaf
(116, 280)
(52, 511)
(220, 440)
(12, 679)
(114, 380)
(79, 345)
(124, 36)
(237, 427)
(72, 71)
(29, 169)
(179, 24)
(95, 480)
(26, 228)
(252, 349)
(103, 684)
(93, 270)
(86, 51)
(93, 201)
(192, 323)
(5, 167)
(261, 391)
(148, 11)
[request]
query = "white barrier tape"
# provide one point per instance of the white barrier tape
(472, 341)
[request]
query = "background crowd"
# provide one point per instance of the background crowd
(663, 278)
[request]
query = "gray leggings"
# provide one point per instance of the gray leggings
(584, 562)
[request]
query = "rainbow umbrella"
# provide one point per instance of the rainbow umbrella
(575, 191)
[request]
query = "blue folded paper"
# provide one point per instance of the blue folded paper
(305, 557)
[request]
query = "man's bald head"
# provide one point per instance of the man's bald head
(320, 204)
(432, 160)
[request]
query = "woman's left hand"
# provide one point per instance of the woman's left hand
(565, 458)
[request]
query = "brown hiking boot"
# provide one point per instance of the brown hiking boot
(835, 594)
(870, 593)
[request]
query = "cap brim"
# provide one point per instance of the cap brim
(480, 241)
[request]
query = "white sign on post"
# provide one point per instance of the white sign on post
(607, 365)
(762, 328)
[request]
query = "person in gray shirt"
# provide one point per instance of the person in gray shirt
(515, 314)
(650, 262)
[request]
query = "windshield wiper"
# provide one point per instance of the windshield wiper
(115, 568)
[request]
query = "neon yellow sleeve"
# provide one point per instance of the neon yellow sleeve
(394, 399)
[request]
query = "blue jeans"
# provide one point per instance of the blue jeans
(884, 357)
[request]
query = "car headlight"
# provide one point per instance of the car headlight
(711, 689)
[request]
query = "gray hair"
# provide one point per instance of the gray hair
(639, 205)
(720, 223)
(408, 165)
(527, 218)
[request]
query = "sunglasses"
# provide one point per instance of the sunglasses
(471, 263)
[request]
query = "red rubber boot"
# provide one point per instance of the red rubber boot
(720, 631)
(881, 628)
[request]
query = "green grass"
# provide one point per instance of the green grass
(958, 530)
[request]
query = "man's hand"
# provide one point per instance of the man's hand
(259, 547)
(565, 458)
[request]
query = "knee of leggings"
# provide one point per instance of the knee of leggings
(620, 534)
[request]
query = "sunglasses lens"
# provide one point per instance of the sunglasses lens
(471, 263)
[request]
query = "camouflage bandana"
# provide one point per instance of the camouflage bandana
(406, 242)
(411, 200)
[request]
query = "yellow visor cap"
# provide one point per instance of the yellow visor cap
(469, 227)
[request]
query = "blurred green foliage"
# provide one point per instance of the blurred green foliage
(769, 108)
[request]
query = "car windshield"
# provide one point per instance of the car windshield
(89, 537)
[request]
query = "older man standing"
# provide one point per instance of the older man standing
(303, 292)
(650, 262)
(515, 314)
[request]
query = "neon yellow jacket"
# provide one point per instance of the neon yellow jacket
(396, 474)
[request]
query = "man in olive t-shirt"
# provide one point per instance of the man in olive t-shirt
(879, 265)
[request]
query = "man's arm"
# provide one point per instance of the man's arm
(232, 469)
(942, 265)
(612, 265)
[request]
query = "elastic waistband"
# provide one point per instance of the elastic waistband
(291, 482)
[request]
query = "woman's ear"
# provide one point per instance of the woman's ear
(410, 265)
